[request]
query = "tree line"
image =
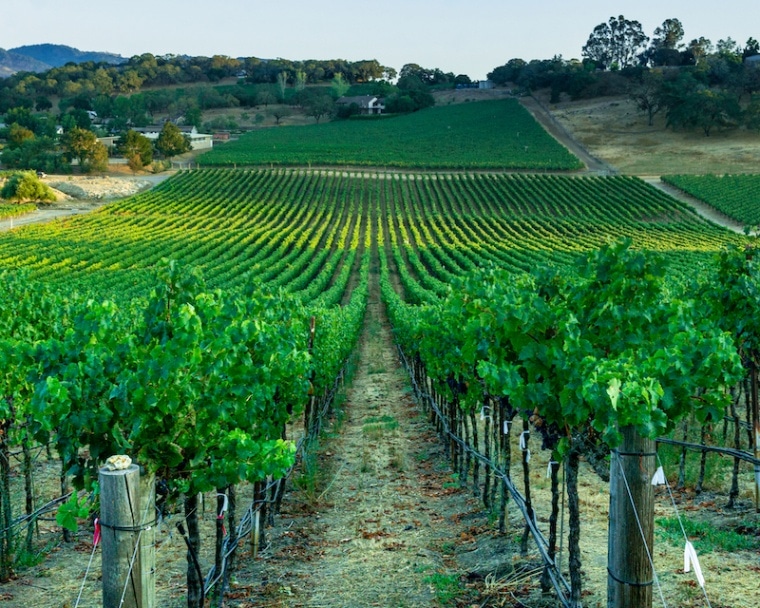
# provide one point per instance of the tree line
(40, 139)
(37, 142)
(91, 79)
(696, 84)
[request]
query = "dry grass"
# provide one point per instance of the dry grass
(615, 131)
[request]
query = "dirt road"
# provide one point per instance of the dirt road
(83, 194)
(556, 130)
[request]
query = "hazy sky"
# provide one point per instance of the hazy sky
(462, 36)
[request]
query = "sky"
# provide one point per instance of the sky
(461, 36)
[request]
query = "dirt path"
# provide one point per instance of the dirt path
(85, 194)
(556, 130)
(702, 208)
(385, 520)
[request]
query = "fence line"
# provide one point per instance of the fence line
(560, 584)
(429, 398)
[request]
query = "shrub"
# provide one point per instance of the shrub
(26, 186)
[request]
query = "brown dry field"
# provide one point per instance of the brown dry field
(613, 130)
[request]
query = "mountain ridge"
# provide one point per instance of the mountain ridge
(43, 57)
(11, 62)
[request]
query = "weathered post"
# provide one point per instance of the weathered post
(127, 514)
(631, 527)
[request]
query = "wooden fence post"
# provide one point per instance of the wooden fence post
(631, 529)
(127, 519)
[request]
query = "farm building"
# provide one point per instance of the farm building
(367, 104)
(110, 141)
(198, 141)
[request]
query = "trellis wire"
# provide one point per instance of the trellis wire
(641, 531)
(86, 573)
(246, 525)
(680, 521)
(561, 586)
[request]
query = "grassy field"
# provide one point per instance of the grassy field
(496, 134)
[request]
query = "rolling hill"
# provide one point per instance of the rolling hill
(41, 57)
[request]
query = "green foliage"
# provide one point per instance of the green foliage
(82, 144)
(615, 44)
(71, 511)
(289, 230)
(734, 195)
(16, 210)
(171, 141)
(695, 106)
(446, 587)
(444, 227)
(200, 379)
(492, 134)
(732, 298)
(134, 144)
(38, 153)
(26, 186)
(705, 536)
(587, 353)
(339, 86)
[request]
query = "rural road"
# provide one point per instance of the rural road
(556, 130)
(100, 190)
(40, 216)
(597, 166)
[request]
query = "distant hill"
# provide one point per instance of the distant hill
(41, 57)
(11, 62)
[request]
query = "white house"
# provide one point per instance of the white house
(367, 104)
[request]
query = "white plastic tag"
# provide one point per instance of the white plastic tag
(523, 440)
(690, 560)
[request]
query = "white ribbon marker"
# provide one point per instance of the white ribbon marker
(506, 427)
(549, 468)
(658, 479)
(690, 560)
(523, 440)
(225, 505)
